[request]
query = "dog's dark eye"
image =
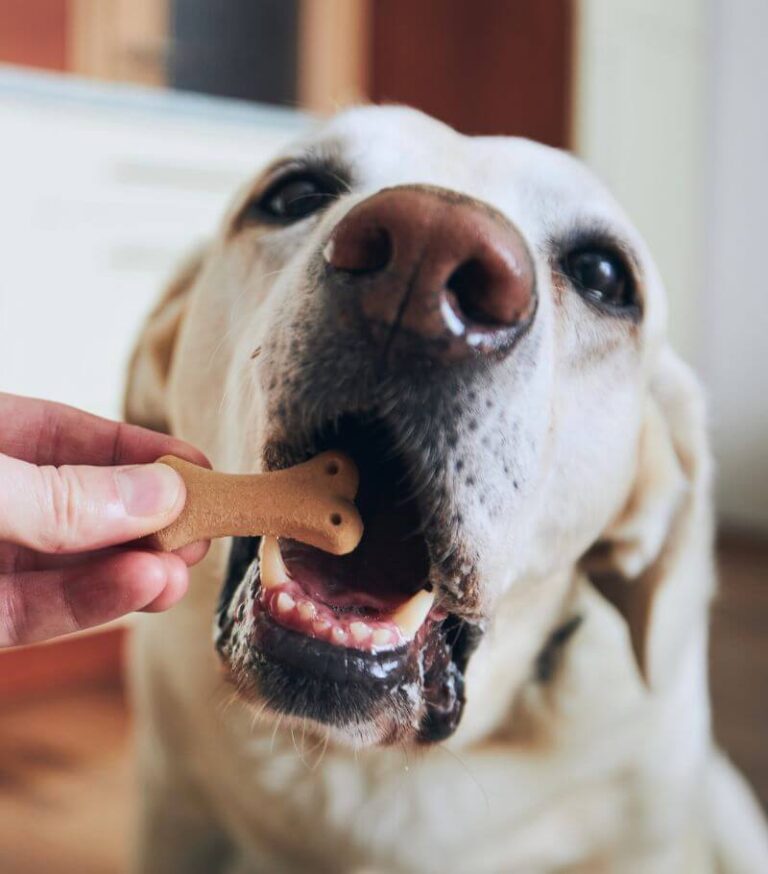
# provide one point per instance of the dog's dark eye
(602, 277)
(298, 195)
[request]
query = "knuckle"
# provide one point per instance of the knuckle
(62, 492)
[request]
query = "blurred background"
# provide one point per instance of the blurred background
(125, 127)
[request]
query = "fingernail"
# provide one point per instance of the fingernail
(148, 489)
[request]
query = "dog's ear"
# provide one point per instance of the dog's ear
(149, 367)
(667, 514)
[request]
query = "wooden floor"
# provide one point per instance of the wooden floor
(739, 657)
(66, 792)
(65, 785)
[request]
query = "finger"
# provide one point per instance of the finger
(18, 558)
(74, 508)
(174, 591)
(44, 604)
(43, 432)
(193, 553)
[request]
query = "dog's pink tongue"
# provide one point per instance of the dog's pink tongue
(304, 590)
(388, 566)
(370, 581)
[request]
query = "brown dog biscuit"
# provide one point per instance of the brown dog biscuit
(312, 502)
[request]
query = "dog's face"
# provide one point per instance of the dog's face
(470, 319)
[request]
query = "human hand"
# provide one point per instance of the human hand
(76, 494)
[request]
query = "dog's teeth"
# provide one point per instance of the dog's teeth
(284, 603)
(273, 570)
(411, 616)
(338, 635)
(321, 626)
(360, 632)
(382, 637)
(306, 610)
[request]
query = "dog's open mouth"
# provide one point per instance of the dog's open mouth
(303, 590)
(377, 598)
(337, 638)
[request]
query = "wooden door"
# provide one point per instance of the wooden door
(485, 67)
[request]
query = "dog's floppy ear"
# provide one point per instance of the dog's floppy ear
(150, 364)
(666, 516)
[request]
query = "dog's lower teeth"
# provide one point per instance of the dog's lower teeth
(320, 627)
(284, 603)
(381, 637)
(306, 610)
(405, 621)
(360, 632)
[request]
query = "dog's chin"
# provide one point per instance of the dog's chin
(361, 644)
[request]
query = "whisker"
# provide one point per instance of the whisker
(278, 721)
(468, 771)
(323, 751)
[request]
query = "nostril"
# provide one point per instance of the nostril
(493, 291)
(476, 293)
(359, 248)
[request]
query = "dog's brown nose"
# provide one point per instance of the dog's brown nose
(436, 269)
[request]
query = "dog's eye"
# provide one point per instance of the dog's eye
(298, 195)
(602, 277)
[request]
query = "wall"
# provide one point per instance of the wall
(735, 304)
(490, 67)
(639, 120)
(104, 189)
(670, 111)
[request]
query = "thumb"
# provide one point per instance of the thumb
(74, 508)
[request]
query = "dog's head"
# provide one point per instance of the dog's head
(478, 325)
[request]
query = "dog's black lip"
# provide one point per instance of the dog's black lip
(325, 661)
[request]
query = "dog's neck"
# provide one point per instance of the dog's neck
(515, 646)
(548, 659)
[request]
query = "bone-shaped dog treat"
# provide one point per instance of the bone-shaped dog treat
(312, 502)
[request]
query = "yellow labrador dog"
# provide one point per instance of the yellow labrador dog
(510, 673)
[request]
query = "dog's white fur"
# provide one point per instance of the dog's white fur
(597, 770)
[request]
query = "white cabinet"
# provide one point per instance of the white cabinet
(102, 190)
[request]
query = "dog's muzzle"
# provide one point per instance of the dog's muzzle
(418, 293)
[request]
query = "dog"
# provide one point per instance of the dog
(510, 673)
